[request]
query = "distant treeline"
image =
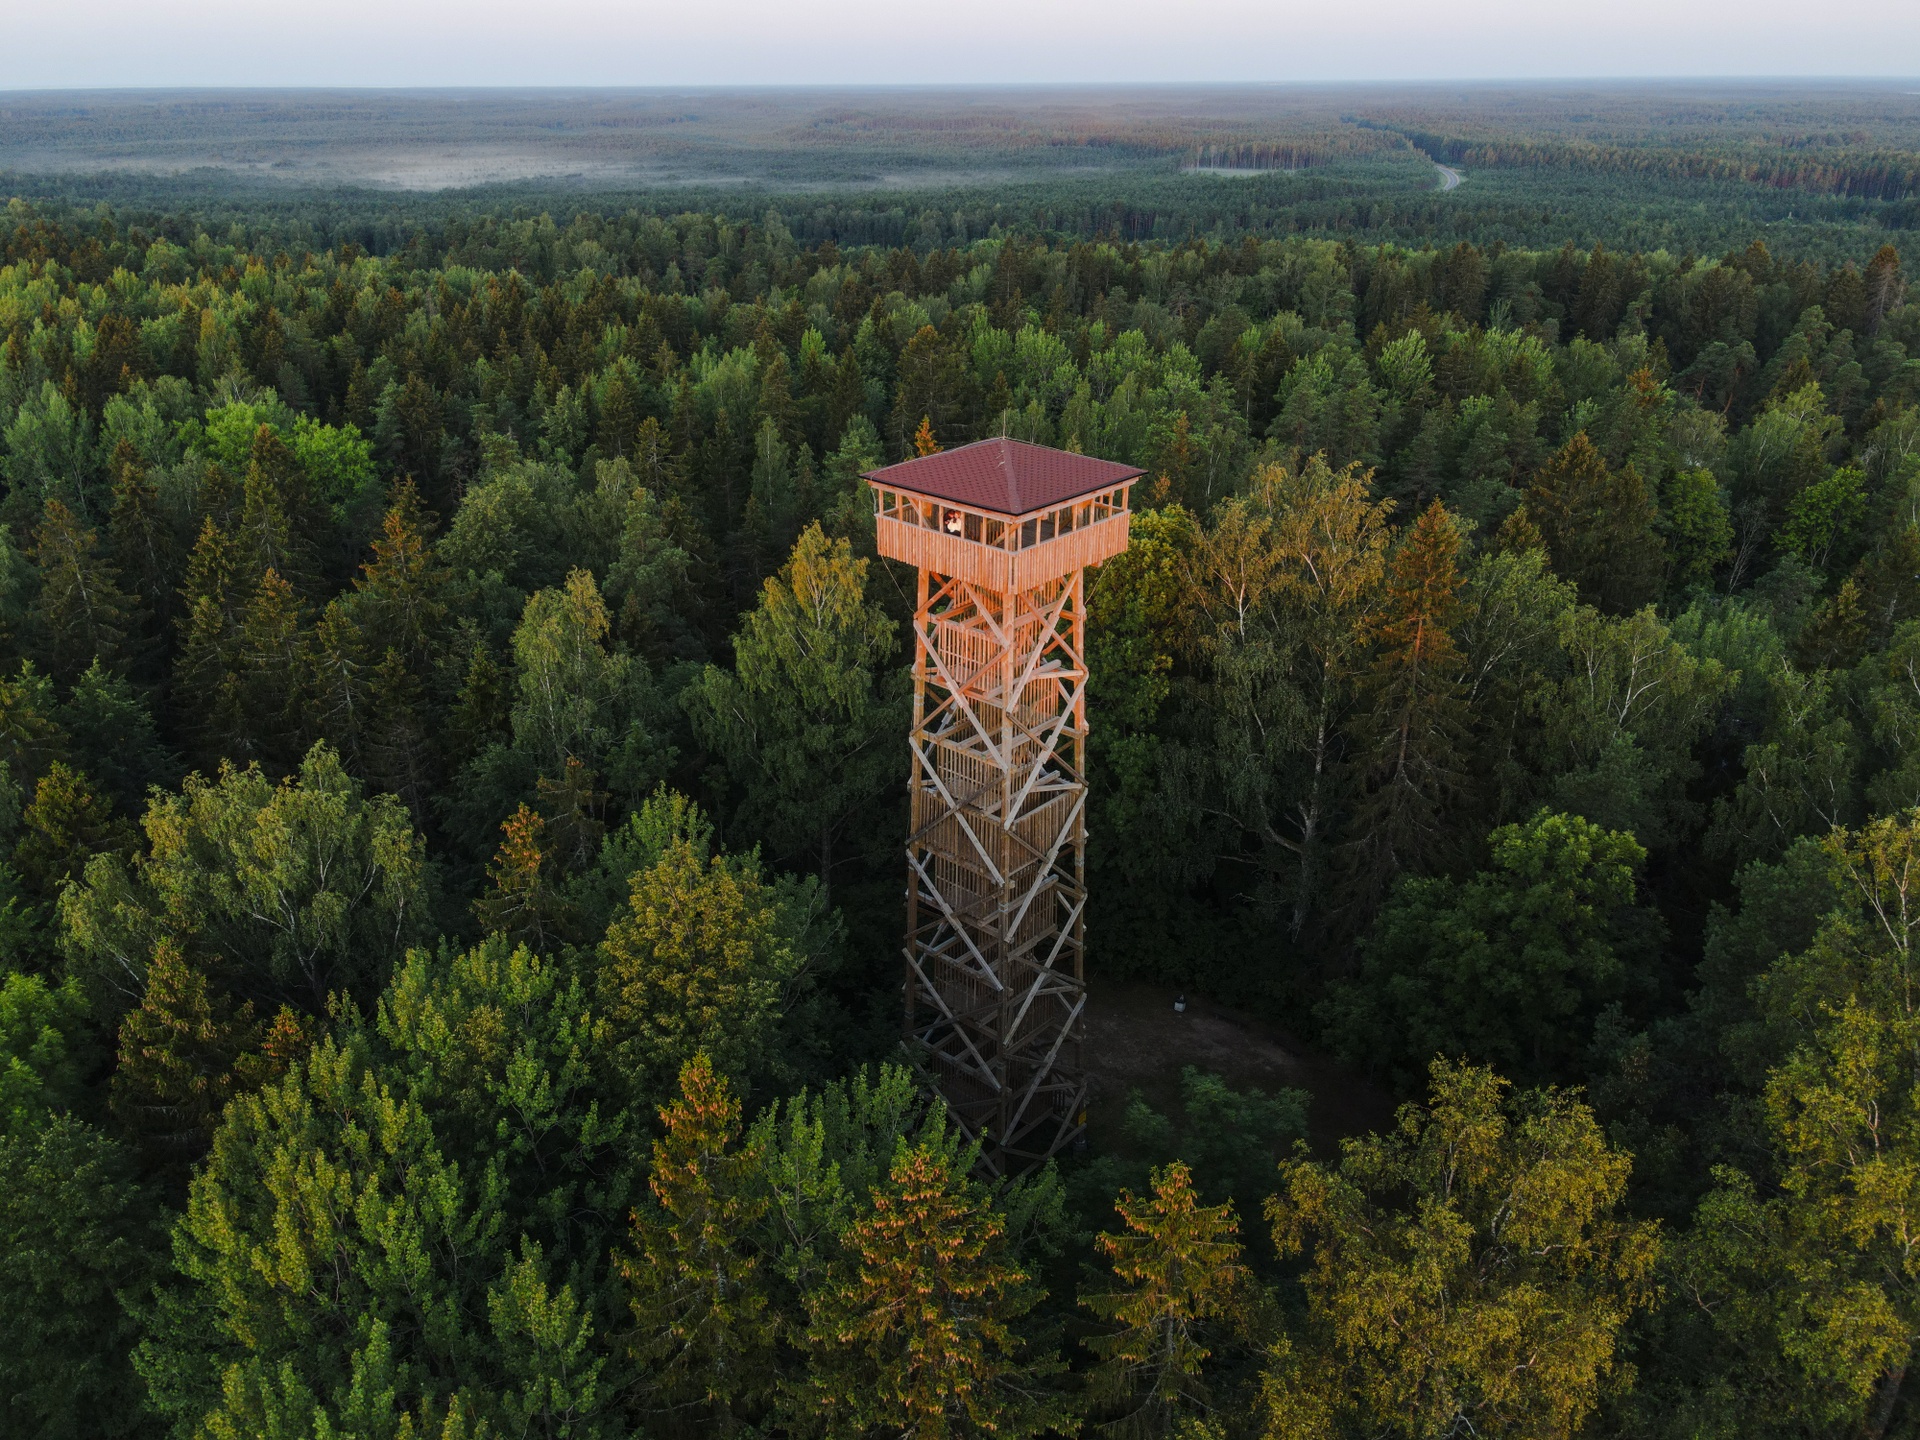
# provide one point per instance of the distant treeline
(1873, 174)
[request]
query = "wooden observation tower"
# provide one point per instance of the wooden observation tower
(1001, 532)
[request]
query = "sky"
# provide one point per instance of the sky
(56, 44)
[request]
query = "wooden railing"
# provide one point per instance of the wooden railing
(997, 568)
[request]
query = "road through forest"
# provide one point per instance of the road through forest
(1449, 178)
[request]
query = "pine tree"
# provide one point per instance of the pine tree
(81, 614)
(1410, 736)
(704, 1325)
(923, 441)
(1177, 1262)
(913, 1333)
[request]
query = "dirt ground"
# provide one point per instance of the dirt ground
(1135, 1040)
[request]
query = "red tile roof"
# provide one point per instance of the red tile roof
(1008, 477)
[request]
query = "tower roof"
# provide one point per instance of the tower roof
(1009, 477)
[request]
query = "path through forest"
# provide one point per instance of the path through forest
(1449, 177)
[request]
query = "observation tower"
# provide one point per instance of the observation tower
(1001, 532)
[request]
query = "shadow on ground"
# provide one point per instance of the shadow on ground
(1134, 1040)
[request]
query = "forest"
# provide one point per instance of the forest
(1691, 167)
(452, 796)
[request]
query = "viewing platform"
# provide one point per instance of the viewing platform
(1002, 514)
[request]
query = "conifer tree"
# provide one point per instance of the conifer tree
(572, 805)
(81, 614)
(800, 724)
(181, 1056)
(1410, 735)
(336, 685)
(64, 826)
(1599, 525)
(923, 441)
(1177, 1262)
(521, 903)
(273, 658)
(704, 1325)
(649, 583)
(79, 1237)
(481, 711)
(139, 538)
(914, 1332)
(399, 599)
(698, 960)
(207, 689)
(398, 756)
(849, 395)
(276, 529)
(31, 736)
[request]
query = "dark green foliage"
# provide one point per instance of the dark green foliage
(79, 1243)
(1512, 965)
(1229, 1139)
(1506, 627)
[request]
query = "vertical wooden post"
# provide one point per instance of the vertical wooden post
(916, 786)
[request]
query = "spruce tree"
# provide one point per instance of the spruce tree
(915, 1331)
(277, 528)
(336, 683)
(801, 723)
(1600, 527)
(399, 596)
(181, 1056)
(273, 659)
(704, 1325)
(81, 614)
(1409, 738)
(139, 537)
(521, 902)
(1180, 1280)
(64, 826)
(207, 690)
(399, 753)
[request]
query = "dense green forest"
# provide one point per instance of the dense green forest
(452, 790)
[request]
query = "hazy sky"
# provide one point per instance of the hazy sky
(60, 43)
